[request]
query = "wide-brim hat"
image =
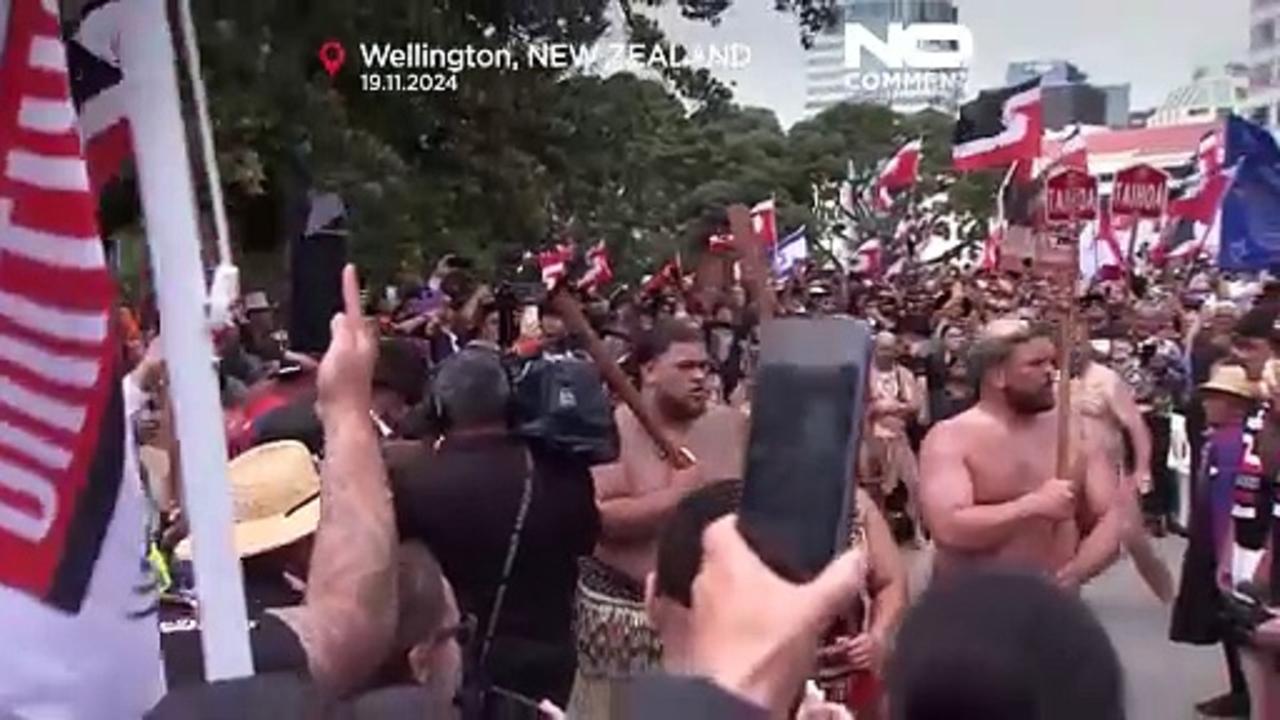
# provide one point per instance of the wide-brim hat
(1231, 380)
(275, 495)
(257, 300)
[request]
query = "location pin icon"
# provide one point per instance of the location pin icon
(332, 55)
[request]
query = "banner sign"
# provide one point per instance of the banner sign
(1071, 194)
(1141, 191)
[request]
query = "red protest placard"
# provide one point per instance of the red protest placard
(1140, 190)
(1070, 195)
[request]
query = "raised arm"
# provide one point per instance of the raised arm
(347, 621)
(946, 497)
(627, 518)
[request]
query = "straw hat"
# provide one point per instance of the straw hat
(1230, 380)
(275, 495)
(257, 300)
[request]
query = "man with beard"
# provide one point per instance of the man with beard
(635, 496)
(989, 489)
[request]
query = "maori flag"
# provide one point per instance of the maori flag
(999, 128)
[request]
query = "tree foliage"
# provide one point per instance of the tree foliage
(514, 159)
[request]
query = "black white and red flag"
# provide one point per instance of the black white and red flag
(999, 128)
(61, 419)
(93, 59)
(1073, 152)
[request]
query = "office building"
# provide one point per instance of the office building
(1069, 97)
(1050, 72)
(829, 81)
(1212, 94)
(1263, 102)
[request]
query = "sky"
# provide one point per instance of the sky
(1152, 44)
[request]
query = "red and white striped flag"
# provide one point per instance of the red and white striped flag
(991, 247)
(599, 270)
(57, 368)
(1108, 258)
(554, 263)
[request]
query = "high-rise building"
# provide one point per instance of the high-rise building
(1263, 104)
(829, 80)
(1069, 97)
(1050, 72)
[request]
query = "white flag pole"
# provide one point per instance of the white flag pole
(168, 201)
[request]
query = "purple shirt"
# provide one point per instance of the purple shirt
(1224, 450)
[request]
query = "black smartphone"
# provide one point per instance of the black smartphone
(806, 424)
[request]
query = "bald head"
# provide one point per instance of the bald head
(886, 350)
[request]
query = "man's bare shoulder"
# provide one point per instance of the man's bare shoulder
(626, 420)
(972, 420)
(721, 416)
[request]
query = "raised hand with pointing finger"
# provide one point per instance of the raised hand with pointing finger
(345, 378)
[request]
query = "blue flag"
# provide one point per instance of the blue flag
(791, 251)
(1251, 208)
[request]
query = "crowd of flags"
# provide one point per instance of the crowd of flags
(1004, 129)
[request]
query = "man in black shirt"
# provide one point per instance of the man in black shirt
(464, 497)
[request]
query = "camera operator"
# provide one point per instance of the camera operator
(508, 520)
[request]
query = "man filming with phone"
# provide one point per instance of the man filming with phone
(988, 484)
(635, 496)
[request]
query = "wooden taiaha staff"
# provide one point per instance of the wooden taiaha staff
(748, 246)
(570, 311)
(1067, 337)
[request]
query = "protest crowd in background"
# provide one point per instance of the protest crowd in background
(466, 488)
(512, 493)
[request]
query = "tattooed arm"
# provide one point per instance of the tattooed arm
(347, 622)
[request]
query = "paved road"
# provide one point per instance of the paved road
(1164, 680)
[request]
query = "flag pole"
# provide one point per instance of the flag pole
(225, 286)
(168, 202)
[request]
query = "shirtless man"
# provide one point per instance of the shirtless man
(987, 483)
(635, 496)
(1105, 406)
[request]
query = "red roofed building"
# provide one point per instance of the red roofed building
(1169, 148)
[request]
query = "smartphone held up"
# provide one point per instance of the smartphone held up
(806, 426)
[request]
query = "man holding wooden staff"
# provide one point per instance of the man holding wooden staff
(991, 491)
(635, 496)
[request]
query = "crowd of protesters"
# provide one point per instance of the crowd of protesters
(433, 562)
